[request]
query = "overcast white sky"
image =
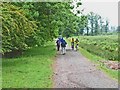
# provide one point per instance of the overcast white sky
(106, 8)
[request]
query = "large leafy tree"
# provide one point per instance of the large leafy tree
(16, 28)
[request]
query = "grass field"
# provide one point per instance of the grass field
(32, 70)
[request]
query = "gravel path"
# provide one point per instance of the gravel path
(73, 70)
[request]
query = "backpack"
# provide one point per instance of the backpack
(63, 44)
(76, 40)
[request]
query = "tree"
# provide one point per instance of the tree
(97, 18)
(91, 18)
(16, 28)
(101, 25)
(106, 26)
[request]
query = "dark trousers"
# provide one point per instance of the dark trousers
(58, 47)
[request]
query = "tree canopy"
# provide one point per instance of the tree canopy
(27, 24)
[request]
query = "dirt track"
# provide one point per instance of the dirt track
(73, 70)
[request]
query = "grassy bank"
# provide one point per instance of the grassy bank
(32, 70)
(104, 46)
(95, 59)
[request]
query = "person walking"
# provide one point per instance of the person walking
(58, 44)
(76, 42)
(63, 45)
(72, 43)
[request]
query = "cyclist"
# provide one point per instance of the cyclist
(76, 42)
(72, 43)
(58, 44)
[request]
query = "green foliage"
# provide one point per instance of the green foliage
(78, 4)
(30, 24)
(16, 28)
(106, 26)
(104, 46)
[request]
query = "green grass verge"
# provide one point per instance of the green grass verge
(112, 73)
(32, 70)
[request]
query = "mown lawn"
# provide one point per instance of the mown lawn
(32, 70)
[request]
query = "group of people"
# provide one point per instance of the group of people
(74, 43)
(62, 43)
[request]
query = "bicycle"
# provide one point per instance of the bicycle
(76, 47)
(72, 45)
